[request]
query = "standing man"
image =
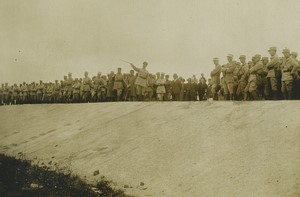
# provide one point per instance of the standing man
(227, 71)
(40, 92)
(242, 78)
(176, 87)
(68, 88)
(254, 78)
(295, 73)
(56, 92)
(131, 94)
(273, 66)
(287, 80)
(215, 78)
(265, 88)
(86, 87)
(141, 81)
(202, 88)
(119, 84)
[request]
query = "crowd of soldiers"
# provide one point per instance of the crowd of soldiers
(258, 79)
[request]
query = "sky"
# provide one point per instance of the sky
(46, 39)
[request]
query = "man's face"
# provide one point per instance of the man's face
(229, 59)
(175, 77)
(216, 62)
(145, 65)
(242, 60)
(286, 54)
(265, 62)
(272, 52)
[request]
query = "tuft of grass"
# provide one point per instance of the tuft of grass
(18, 177)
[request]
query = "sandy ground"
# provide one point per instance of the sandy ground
(174, 148)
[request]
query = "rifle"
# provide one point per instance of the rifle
(125, 61)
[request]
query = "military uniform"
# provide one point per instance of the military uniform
(287, 79)
(86, 88)
(255, 78)
(1, 94)
(68, 86)
(227, 71)
(141, 81)
(160, 90)
(273, 67)
(215, 80)
(176, 87)
(242, 79)
(119, 84)
(57, 92)
(132, 87)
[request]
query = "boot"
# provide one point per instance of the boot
(290, 95)
(254, 95)
(275, 95)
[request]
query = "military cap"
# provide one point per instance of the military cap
(242, 56)
(145, 63)
(257, 56)
(230, 55)
(215, 59)
(285, 50)
(294, 53)
(265, 58)
(69, 73)
(56, 80)
(272, 49)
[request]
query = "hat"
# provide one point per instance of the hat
(257, 56)
(272, 49)
(265, 58)
(215, 59)
(242, 56)
(285, 50)
(145, 63)
(69, 73)
(119, 68)
(230, 55)
(294, 53)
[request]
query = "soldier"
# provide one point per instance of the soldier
(15, 94)
(150, 88)
(119, 84)
(49, 98)
(190, 90)
(39, 92)
(1, 94)
(57, 92)
(110, 86)
(176, 87)
(273, 66)
(215, 78)
(227, 71)
(161, 90)
(167, 96)
(202, 88)
(202, 77)
(242, 78)
(103, 89)
(254, 78)
(86, 87)
(265, 89)
(76, 91)
(68, 88)
(33, 91)
(97, 81)
(296, 74)
(131, 86)
(209, 94)
(25, 93)
(6, 94)
(141, 81)
(287, 66)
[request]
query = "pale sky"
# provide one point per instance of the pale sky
(46, 39)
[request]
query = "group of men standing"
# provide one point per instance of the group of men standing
(262, 78)
(259, 79)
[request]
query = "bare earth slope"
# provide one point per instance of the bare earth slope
(174, 148)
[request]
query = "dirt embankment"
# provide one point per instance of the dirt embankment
(165, 149)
